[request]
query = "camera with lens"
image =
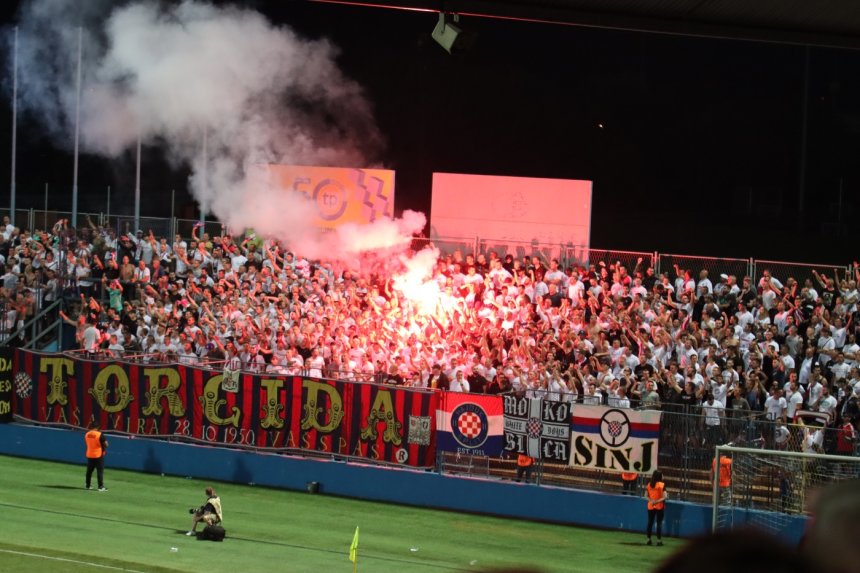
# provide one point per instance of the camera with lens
(194, 510)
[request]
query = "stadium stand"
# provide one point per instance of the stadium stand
(757, 361)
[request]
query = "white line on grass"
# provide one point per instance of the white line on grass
(69, 560)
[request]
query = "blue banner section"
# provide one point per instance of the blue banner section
(470, 424)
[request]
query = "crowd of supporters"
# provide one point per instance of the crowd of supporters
(598, 334)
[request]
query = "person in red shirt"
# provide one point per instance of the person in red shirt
(846, 438)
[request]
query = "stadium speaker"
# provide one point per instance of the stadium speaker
(313, 486)
(450, 36)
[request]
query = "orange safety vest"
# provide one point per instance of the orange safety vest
(725, 470)
(94, 444)
(654, 493)
(524, 460)
(629, 476)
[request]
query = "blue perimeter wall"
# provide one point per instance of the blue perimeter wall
(362, 481)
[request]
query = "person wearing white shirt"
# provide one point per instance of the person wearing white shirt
(839, 367)
(826, 344)
(827, 404)
(776, 406)
(806, 366)
(713, 412)
(816, 391)
(768, 281)
(459, 383)
(793, 400)
(786, 358)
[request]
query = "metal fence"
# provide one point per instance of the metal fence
(568, 255)
(801, 272)
(715, 266)
(686, 451)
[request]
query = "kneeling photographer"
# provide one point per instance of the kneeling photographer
(209, 512)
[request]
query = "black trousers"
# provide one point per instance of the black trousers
(655, 515)
(524, 470)
(97, 464)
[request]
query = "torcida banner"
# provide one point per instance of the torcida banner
(371, 421)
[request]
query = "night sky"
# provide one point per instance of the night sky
(694, 145)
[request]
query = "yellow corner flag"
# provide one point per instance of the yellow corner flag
(353, 549)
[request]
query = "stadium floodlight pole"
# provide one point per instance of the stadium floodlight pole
(46, 207)
(14, 126)
(108, 207)
(137, 189)
(205, 174)
(77, 130)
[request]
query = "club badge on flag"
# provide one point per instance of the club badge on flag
(470, 424)
(537, 428)
(615, 439)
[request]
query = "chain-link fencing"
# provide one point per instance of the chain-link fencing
(715, 266)
(800, 272)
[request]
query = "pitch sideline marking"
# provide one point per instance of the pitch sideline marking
(24, 553)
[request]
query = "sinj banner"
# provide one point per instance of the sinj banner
(537, 428)
(614, 439)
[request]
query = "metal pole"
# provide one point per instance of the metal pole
(137, 189)
(46, 207)
(172, 203)
(205, 174)
(14, 126)
(77, 130)
(107, 223)
(839, 208)
(801, 191)
(715, 496)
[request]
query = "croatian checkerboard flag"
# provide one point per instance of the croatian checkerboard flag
(470, 424)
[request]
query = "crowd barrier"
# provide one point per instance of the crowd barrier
(354, 420)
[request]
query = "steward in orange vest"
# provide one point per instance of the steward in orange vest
(725, 471)
(524, 467)
(96, 450)
(656, 494)
(628, 480)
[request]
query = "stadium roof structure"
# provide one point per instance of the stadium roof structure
(822, 23)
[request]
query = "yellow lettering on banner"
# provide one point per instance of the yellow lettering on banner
(211, 404)
(5, 407)
(5, 365)
(57, 369)
(99, 391)
(383, 411)
(312, 409)
(270, 418)
(342, 445)
(155, 392)
(5, 385)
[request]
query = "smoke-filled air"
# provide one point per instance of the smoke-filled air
(177, 75)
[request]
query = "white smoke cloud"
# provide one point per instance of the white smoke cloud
(171, 73)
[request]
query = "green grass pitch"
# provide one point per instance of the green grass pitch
(51, 523)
